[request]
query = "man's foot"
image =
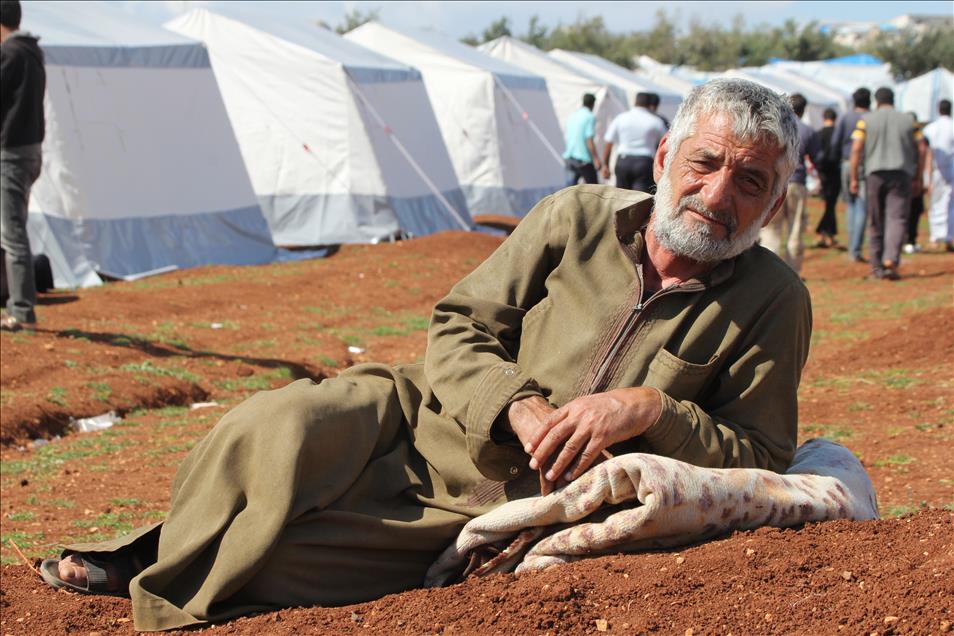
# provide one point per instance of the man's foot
(83, 574)
(890, 271)
(9, 323)
(858, 258)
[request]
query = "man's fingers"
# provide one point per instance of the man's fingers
(577, 443)
(549, 444)
(546, 426)
(585, 460)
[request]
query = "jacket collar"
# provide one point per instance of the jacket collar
(630, 225)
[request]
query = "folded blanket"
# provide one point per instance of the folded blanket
(641, 501)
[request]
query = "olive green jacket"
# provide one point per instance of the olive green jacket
(558, 311)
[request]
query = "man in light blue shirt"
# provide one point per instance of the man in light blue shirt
(637, 132)
(580, 155)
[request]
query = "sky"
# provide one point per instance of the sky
(460, 19)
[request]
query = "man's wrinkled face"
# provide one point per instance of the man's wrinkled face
(715, 193)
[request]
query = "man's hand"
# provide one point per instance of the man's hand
(853, 186)
(573, 436)
(605, 171)
(527, 416)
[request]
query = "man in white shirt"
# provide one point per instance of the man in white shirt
(637, 133)
(940, 135)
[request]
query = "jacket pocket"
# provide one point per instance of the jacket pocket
(679, 379)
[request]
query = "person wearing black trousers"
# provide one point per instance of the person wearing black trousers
(829, 172)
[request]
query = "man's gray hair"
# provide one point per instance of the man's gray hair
(757, 113)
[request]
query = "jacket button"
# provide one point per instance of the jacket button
(509, 371)
(514, 470)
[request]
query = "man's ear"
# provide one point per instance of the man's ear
(775, 207)
(660, 159)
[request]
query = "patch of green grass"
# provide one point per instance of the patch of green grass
(21, 516)
(70, 364)
(65, 504)
(125, 502)
(48, 459)
(265, 343)
(895, 460)
(33, 500)
(856, 407)
(894, 431)
(902, 510)
(57, 395)
(152, 515)
(172, 448)
(119, 522)
(147, 366)
(328, 361)
(101, 391)
(829, 431)
(21, 538)
(167, 282)
(225, 324)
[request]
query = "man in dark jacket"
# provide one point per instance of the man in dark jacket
(21, 106)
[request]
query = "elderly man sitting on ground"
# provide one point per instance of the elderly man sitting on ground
(609, 320)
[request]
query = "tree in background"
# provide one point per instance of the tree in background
(711, 47)
(352, 20)
(911, 54)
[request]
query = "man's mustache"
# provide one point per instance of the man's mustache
(697, 204)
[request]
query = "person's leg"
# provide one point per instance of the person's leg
(643, 175)
(798, 194)
(876, 221)
(855, 213)
(828, 226)
(624, 173)
(319, 475)
(588, 172)
(773, 236)
(938, 212)
(897, 204)
(19, 168)
(572, 174)
(914, 218)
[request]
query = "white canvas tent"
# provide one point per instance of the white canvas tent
(565, 84)
(340, 142)
(921, 94)
(141, 171)
(497, 120)
(843, 74)
(632, 83)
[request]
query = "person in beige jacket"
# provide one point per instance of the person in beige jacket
(607, 321)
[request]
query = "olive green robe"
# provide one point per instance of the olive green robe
(347, 490)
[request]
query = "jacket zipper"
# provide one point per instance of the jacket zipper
(603, 374)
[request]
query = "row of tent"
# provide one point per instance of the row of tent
(213, 140)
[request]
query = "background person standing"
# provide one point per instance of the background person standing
(829, 171)
(637, 132)
(857, 213)
(940, 135)
(887, 139)
(23, 80)
(580, 154)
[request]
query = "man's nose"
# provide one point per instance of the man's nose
(717, 190)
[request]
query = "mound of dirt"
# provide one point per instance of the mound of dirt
(886, 577)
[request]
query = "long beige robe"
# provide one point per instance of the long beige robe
(347, 490)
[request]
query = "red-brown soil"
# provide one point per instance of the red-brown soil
(880, 380)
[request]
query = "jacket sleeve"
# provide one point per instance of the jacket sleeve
(474, 335)
(750, 420)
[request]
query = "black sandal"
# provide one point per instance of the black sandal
(97, 581)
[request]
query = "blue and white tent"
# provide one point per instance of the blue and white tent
(496, 119)
(340, 142)
(141, 170)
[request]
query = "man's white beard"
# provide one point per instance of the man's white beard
(697, 240)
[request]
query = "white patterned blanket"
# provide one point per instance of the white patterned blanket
(641, 501)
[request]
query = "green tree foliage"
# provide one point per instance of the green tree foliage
(712, 47)
(912, 54)
(354, 19)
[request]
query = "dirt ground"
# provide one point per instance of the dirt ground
(880, 380)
